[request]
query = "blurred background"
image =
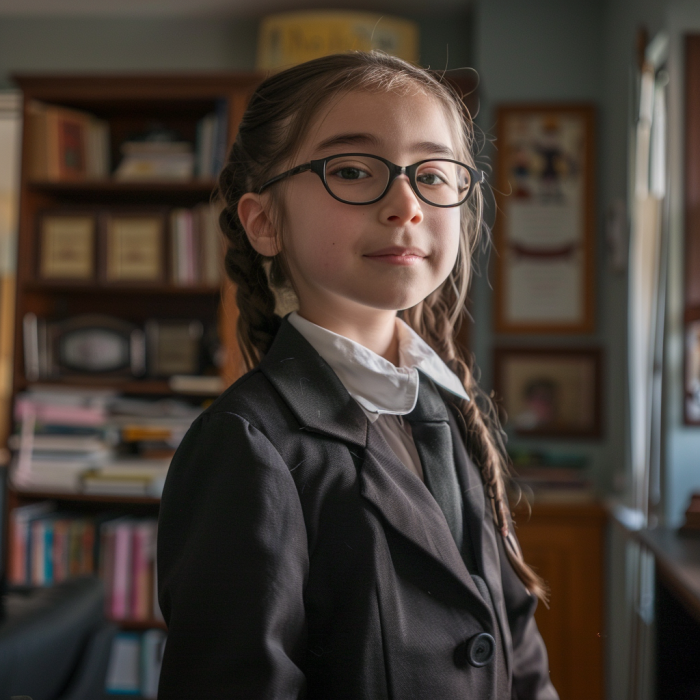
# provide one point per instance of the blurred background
(117, 328)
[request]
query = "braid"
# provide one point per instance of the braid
(481, 430)
(257, 322)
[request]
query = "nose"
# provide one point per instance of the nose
(400, 205)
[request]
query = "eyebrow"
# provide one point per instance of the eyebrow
(365, 139)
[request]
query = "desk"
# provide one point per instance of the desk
(677, 612)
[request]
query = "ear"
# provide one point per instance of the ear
(257, 224)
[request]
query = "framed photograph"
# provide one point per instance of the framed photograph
(545, 226)
(550, 391)
(67, 246)
(692, 373)
(84, 345)
(174, 347)
(133, 247)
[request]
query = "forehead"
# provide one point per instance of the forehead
(383, 120)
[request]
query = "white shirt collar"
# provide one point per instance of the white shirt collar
(375, 383)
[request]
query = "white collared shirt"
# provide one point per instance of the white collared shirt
(384, 391)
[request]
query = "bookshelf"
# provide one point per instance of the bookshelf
(128, 105)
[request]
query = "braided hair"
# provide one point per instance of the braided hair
(270, 132)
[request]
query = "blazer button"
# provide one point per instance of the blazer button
(477, 651)
(480, 649)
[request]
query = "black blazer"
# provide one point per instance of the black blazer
(299, 559)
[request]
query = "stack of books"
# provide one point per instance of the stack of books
(552, 478)
(61, 434)
(95, 442)
(212, 139)
(196, 246)
(67, 144)
(134, 664)
(156, 160)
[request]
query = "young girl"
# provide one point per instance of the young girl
(335, 524)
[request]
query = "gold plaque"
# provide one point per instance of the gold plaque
(67, 247)
(294, 37)
(134, 248)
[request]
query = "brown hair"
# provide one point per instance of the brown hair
(271, 130)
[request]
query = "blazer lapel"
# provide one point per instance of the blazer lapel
(408, 507)
(483, 535)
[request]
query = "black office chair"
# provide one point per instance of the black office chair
(54, 642)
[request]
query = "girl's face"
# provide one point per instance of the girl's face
(352, 261)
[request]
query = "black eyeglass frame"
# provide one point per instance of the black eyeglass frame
(319, 167)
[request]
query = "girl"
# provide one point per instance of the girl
(335, 524)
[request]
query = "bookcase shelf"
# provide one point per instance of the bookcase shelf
(120, 289)
(68, 496)
(200, 187)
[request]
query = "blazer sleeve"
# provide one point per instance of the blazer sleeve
(232, 564)
(530, 664)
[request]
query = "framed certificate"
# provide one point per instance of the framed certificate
(67, 246)
(551, 392)
(133, 245)
(545, 226)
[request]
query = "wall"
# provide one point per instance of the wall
(540, 51)
(84, 44)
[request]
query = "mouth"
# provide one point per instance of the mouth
(397, 255)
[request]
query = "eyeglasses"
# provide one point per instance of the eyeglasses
(361, 178)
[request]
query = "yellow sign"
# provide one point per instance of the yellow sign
(294, 37)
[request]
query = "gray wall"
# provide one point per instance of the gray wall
(57, 44)
(540, 51)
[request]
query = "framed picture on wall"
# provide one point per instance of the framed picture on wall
(66, 246)
(545, 226)
(550, 391)
(133, 247)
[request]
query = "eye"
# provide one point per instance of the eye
(432, 178)
(348, 172)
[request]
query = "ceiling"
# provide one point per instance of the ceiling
(215, 8)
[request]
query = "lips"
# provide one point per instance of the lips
(397, 251)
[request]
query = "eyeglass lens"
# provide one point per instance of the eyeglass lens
(361, 179)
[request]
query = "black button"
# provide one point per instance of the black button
(477, 651)
(480, 649)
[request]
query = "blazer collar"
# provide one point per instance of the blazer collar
(311, 389)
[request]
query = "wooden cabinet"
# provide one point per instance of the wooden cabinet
(565, 545)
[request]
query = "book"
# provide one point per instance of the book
(152, 648)
(66, 144)
(124, 661)
(19, 537)
(144, 545)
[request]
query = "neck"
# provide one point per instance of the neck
(375, 331)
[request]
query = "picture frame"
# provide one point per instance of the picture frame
(66, 246)
(86, 345)
(544, 231)
(550, 392)
(133, 247)
(174, 347)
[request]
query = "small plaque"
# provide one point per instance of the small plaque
(174, 347)
(134, 248)
(67, 247)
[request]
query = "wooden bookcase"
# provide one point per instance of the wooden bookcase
(129, 103)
